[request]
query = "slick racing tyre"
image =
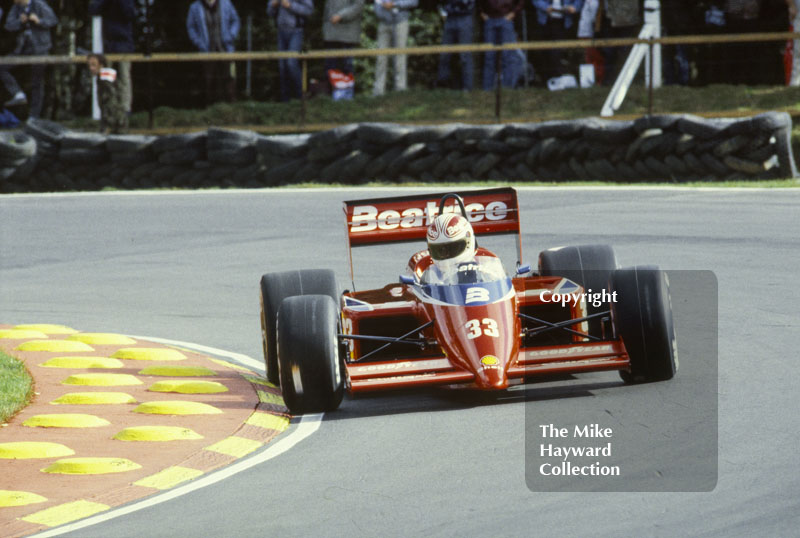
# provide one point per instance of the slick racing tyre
(643, 319)
(587, 265)
(275, 287)
(308, 354)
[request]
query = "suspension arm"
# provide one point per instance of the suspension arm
(404, 339)
(563, 325)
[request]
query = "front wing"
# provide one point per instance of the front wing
(532, 362)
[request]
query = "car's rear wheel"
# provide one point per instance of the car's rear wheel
(275, 287)
(587, 265)
(308, 354)
(643, 319)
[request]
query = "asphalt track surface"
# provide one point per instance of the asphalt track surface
(186, 266)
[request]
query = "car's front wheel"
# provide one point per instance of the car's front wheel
(588, 266)
(643, 319)
(308, 354)
(275, 287)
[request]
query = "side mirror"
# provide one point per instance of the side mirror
(522, 269)
(407, 279)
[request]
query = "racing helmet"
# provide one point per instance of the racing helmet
(451, 239)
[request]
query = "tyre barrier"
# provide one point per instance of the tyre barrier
(45, 156)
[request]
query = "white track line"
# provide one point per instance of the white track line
(304, 427)
(440, 187)
(244, 360)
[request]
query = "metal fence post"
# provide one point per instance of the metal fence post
(498, 77)
(303, 90)
(650, 78)
(97, 46)
(249, 65)
(148, 43)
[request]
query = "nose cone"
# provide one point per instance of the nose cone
(482, 339)
(491, 373)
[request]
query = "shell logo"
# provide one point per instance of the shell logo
(490, 360)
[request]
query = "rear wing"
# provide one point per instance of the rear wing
(406, 218)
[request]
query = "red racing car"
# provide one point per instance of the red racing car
(456, 316)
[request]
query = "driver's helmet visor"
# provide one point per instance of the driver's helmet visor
(446, 251)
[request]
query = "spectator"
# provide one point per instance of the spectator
(32, 20)
(113, 116)
(588, 25)
(18, 97)
(291, 19)
(741, 16)
(498, 28)
(620, 18)
(754, 63)
(341, 29)
(587, 19)
(118, 17)
(457, 29)
(392, 32)
(774, 16)
(711, 57)
(555, 18)
(213, 26)
(676, 19)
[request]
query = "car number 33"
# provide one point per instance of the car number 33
(487, 326)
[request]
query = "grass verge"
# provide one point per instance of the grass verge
(744, 184)
(16, 387)
(430, 106)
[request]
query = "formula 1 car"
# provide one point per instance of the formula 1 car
(478, 327)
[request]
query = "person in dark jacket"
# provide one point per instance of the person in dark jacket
(746, 61)
(118, 17)
(498, 28)
(113, 116)
(31, 20)
(555, 19)
(676, 19)
(291, 16)
(341, 29)
(213, 26)
(18, 97)
(776, 16)
(710, 59)
(457, 29)
(619, 18)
